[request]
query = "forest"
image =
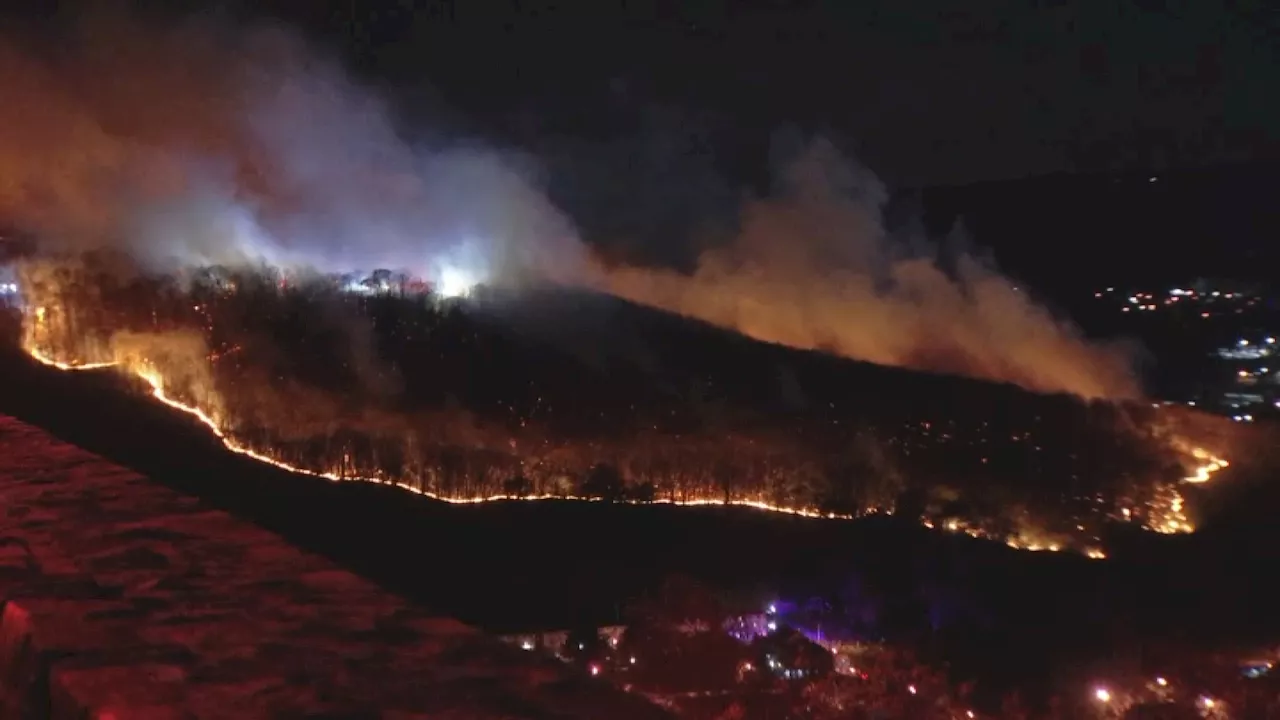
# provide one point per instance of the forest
(554, 392)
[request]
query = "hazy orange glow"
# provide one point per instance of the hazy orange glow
(127, 354)
(251, 151)
(155, 381)
(252, 147)
(814, 268)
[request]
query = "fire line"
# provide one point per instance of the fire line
(1174, 520)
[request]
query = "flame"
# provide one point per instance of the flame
(1164, 514)
(155, 381)
(1209, 465)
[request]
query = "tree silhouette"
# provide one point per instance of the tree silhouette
(603, 481)
(517, 486)
(644, 492)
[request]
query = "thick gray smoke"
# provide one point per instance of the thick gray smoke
(193, 146)
(198, 145)
(812, 266)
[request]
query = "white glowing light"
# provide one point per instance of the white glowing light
(455, 282)
(1102, 694)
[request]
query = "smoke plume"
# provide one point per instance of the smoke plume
(207, 145)
(813, 267)
(201, 145)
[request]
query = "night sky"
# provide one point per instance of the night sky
(651, 120)
(925, 92)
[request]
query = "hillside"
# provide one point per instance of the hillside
(565, 393)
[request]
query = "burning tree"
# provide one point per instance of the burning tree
(293, 371)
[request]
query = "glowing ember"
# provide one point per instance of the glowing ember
(1208, 466)
(155, 381)
(182, 379)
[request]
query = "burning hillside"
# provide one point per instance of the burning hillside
(566, 381)
(254, 149)
(561, 394)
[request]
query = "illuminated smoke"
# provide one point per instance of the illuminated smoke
(191, 146)
(200, 145)
(813, 267)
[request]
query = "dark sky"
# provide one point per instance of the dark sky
(928, 92)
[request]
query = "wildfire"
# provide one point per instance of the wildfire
(1167, 510)
(156, 383)
(1165, 513)
(1209, 465)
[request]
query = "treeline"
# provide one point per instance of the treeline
(575, 395)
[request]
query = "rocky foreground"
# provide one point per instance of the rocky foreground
(124, 599)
